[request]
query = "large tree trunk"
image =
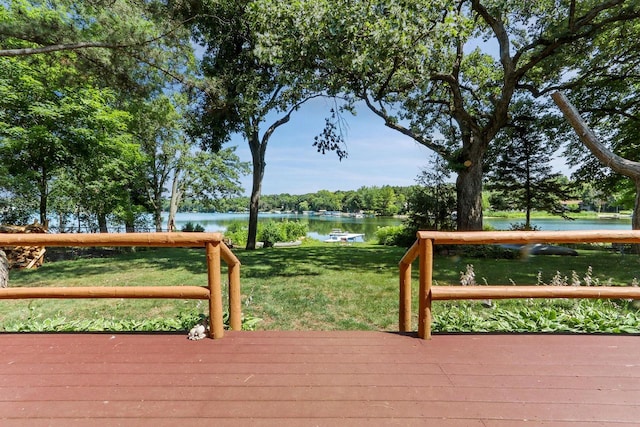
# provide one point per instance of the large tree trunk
(257, 155)
(469, 192)
(258, 150)
(469, 183)
(635, 217)
(102, 223)
(157, 215)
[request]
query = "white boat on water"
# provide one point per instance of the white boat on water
(339, 236)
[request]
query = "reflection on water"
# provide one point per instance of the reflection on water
(321, 226)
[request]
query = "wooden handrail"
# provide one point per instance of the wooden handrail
(110, 239)
(212, 242)
(174, 292)
(423, 249)
(529, 237)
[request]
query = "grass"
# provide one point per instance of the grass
(322, 287)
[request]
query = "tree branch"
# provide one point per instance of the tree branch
(392, 124)
(584, 23)
(57, 48)
(590, 140)
(83, 45)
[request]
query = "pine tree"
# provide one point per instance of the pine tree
(522, 174)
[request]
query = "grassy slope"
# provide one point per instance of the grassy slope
(319, 286)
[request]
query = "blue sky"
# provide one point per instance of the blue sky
(377, 155)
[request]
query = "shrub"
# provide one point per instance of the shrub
(190, 228)
(521, 226)
(395, 235)
(237, 233)
(270, 233)
(294, 230)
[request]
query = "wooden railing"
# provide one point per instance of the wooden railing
(424, 246)
(215, 251)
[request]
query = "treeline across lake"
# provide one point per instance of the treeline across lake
(381, 201)
(395, 200)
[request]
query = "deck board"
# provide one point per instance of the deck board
(319, 378)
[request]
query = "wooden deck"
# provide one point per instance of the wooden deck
(319, 378)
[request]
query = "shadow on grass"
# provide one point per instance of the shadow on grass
(115, 261)
(314, 260)
(272, 262)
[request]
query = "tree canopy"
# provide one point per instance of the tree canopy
(444, 73)
(250, 87)
(76, 76)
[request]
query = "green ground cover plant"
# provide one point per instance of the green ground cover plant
(318, 286)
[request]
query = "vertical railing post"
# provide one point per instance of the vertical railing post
(426, 278)
(216, 325)
(235, 298)
(405, 297)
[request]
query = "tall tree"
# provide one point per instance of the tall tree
(47, 125)
(522, 173)
(158, 129)
(256, 96)
(432, 202)
(135, 48)
(206, 177)
(174, 165)
(443, 73)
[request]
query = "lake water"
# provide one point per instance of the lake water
(321, 226)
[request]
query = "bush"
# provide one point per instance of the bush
(521, 226)
(270, 233)
(189, 228)
(294, 230)
(395, 235)
(237, 234)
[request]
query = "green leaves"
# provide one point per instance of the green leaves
(581, 316)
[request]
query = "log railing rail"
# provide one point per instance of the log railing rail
(423, 250)
(215, 251)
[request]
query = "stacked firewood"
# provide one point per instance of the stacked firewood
(24, 256)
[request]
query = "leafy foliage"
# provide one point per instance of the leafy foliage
(445, 73)
(269, 232)
(251, 90)
(189, 227)
(331, 138)
(395, 235)
(127, 44)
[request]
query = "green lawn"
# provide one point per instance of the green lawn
(322, 287)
